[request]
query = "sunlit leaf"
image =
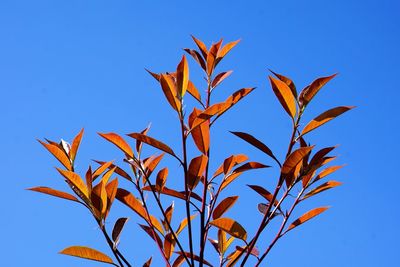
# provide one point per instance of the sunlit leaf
(75, 145)
(178, 261)
(119, 142)
(264, 193)
(224, 206)
(150, 164)
(118, 170)
(172, 192)
(138, 142)
(255, 252)
(54, 192)
(201, 46)
(87, 253)
(324, 118)
(220, 77)
(182, 76)
(155, 75)
(169, 88)
(192, 90)
(161, 179)
(321, 188)
(183, 224)
(76, 181)
(196, 56)
(111, 190)
(129, 200)
(256, 143)
(169, 245)
(294, 158)
(118, 226)
(231, 227)
(326, 172)
(252, 165)
(152, 142)
(305, 217)
(58, 154)
(196, 258)
(225, 50)
(196, 170)
(153, 234)
(200, 134)
(211, 57)
(310, 91)
(284, 95)
(288, 82)
(237, 159)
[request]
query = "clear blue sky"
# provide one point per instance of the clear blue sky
(65, 65)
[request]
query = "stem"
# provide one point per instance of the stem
(203, 231)
(187, 204)
(111, 244)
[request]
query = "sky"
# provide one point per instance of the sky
(67, 65)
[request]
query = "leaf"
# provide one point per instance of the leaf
(111, 190)
(220, 77)
(54, 192)
(237, 159)
(326, 172)
(196, 258)
(75, 145)
(172, 192)
(207, 114)
(169, 245)
(235, 98)
(196, 55)
(256, 143)
(284, 95)
(178, 261)
(320, 154)
(309, 92)
(87, 253)
(152, 234)
(225, 50)
(99, 200)
(201, 46)
(324, 118)
(168, 216)
(148, 262)
(294, 158)
(118, 226)
(288, 82)
(152, 142)
(183, 224)
(129, 200)
(182, 76)
(231, 227)
(224, 206)
(155, 75)
(305, 217)
(192, 90)
(118, 170)
(58, 154)
(139, 143)
(265, 194)
(211, 57)
(321, 188)
(104, 166)
(196, 170)
(200, 134)
(150, 164)
(161, 179)
(119, 142)
(169, 88)
(77, 183)
(252, 165)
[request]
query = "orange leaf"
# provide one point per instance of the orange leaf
(211, 57)
(288, 82)
(111, 190)
(264, 193)
(200, 134)
(138, 143)
(192, 90)
(169, 88)
(224, 206)
(196, 258)
(148, 262)
(183, 224)
(152, 234)
(196, 170)
(250, 166)
(119, 142)
(201, 46)
(196, 55)
(284, 95)
(182, 76)
(75, 145)
(58, 154)
(104, 166)
(310, 91)
(76, 183)
(294, 158)
(207, 114)
(152, 142)
(155, 75)
(305, 217)
(225, 50)
(169, 245)
(87, 253)
(129, 200)
(54, 192)
(324, 118)
(118, 170)
(256, 143)
(172, 192)
(237, 160)
(321, 188)
(234, 98)
(326, 172)
(220, 77)
(161, 179)
(231, 227)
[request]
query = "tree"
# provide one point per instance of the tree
(301, 172)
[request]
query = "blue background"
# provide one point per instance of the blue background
(65, 65)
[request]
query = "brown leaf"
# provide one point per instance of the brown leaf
(182, 76)
(256, 143)
(196, 258)
(58, 154)
(155, 75)
(207, 114)
(237, 159)
(170, 90)
(324, 118)
(305, 217)
(104, 166)
(54, 192)
(235, 98)
(200, 134)
(321, 188)
(264, 193)
(152, 142)
(196, 170)
(111, 190)
(224, 206)
(161, 179)
(211, 57)
(320, 154)
(119, 142)
(75, 145)
(178, 261)
(169, 245)
(118, 226)
(152, 234)
(150, 164)
(310, 91)
(220, 77)
(172, 192)
(139, 143)
(288, 82)
(87, 253)
(231, 227)
(168, 216)
(148, 262)
(196, 56)
(201, 46)
(252, 165)
(284, 95)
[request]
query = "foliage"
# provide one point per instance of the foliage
(301, 171)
